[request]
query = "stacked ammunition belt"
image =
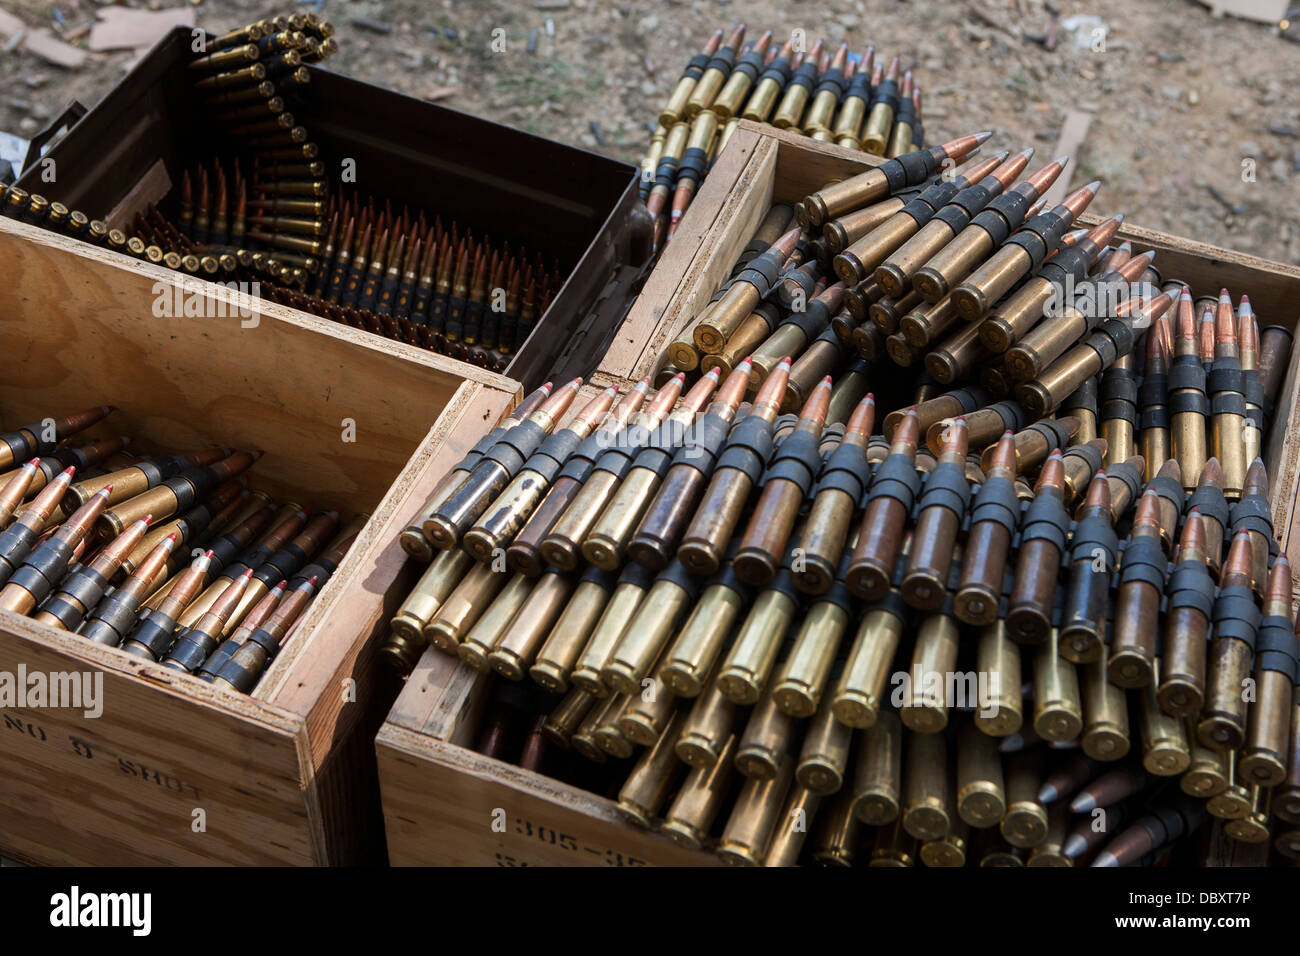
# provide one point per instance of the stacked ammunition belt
(845, 98)
(97, 541)
(969, 628)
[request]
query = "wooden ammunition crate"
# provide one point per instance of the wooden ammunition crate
(439, 797)
(286, 775)
(580, 207)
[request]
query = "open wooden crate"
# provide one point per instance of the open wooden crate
(438, 795)
(285, 775)
(761, 166)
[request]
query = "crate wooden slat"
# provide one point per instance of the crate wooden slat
(285, 775)
(759, 165)
(437, 794)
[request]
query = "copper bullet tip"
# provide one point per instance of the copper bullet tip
(1193, 534)
(908, 432)
(1052, 474)
(1256, 482)
(1148, 510)
(1279, 583)
(1004, 453)
(1239, 559)
(1171, 469)
(1098, 492)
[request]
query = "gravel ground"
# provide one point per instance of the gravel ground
(1196, 126)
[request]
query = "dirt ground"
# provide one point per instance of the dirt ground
(1196, 125)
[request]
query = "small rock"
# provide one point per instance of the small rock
(649, 88)
(1249, 147)
(1171, 92)
(551, 4)
(1280, 169)
(373, 26)
(648, 24)
(1193, 97)
(27, 125)
(1281, 129)
(1295, 160)
(586, 139)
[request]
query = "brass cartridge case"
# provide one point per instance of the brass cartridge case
(1105, 733)
(859, 259)
(895, 273)
(560, 653)
(1058, 708)
(656, 773)
(838, 833)
(925, 705)
(951, 849)
(953, 263)
(791, 830)
(567, 715)
(928, 323)
(860, 690)
(998, 656)
(748, 664)
(647, 713)
(619, 610)
(702, 795)
(1286, 796)
(514, 651)
(956, 357)
(463, 607)
(849, 228)
(691, 656)
(980, 792)
(766, 740)
(892, 847)
(646, 635)
(926, 789)
(406, 643)
(492, 623)
(754, 817)
(990, 282)
(560, 547)
(801, 679)
(1263, 760)
(878, 774)
(1223, 714)
(1025, 822)
(707, 729)
(1165, 748)
(825, 754)
(1051, 851)
(1181, 690)
(1206, 775)
(1233, 801)
(1017, 315)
